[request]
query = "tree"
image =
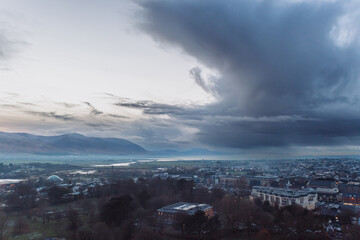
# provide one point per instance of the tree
(56, 194)
(101, 231)
(127, 230)
(147, 234)
(92, 219)
(116, 210)
(143, 197)
(20, 226)
(196, 222)
(218, 194)
(230, 208)
(84, 233)
(23, 197)
(3, 226)
(241, 183)
(238, 211)
(86, 205)
(74, 221)
(263, 235)
(213, 224)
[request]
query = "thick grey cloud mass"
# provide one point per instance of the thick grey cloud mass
(296, 63)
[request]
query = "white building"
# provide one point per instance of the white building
(285, 196)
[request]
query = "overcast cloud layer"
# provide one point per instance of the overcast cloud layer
(4, 45)
(288, 71)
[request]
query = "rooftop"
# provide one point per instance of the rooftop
(185, 207)
(324, 183)
(54, 178)
(284, 192)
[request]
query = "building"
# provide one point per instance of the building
(172, 213)
(350, 196)
(326, 190)
(229, 181)
(284, 196)
(265, 180)
(54, 179)
(350, 193)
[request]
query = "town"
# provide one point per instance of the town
(205, 199)
(180, 120)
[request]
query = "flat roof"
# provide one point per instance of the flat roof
(185, 207)
(284, 192)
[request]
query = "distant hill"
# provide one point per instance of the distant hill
(191, 152)
(66, 144)
(79, 144)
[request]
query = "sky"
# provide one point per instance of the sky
(255, 77)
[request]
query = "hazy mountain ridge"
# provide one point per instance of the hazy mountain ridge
(67, 143)
(79, 144)
(191, 152)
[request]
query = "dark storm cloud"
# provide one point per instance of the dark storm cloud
(300, 133)
(27, 104)
(117, 116)
(154, 108)
(276, 60)
(52, 115)
(195, 73)
(67, 105)
(13, 106)
(98, 125)
(94, 111)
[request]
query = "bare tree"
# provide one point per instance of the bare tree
(20, 226)
(3, 226)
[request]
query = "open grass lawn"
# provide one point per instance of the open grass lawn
(38, 231)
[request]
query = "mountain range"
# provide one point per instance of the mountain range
(79, 144)
(66, 144)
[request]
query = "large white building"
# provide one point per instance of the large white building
(285, 196)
